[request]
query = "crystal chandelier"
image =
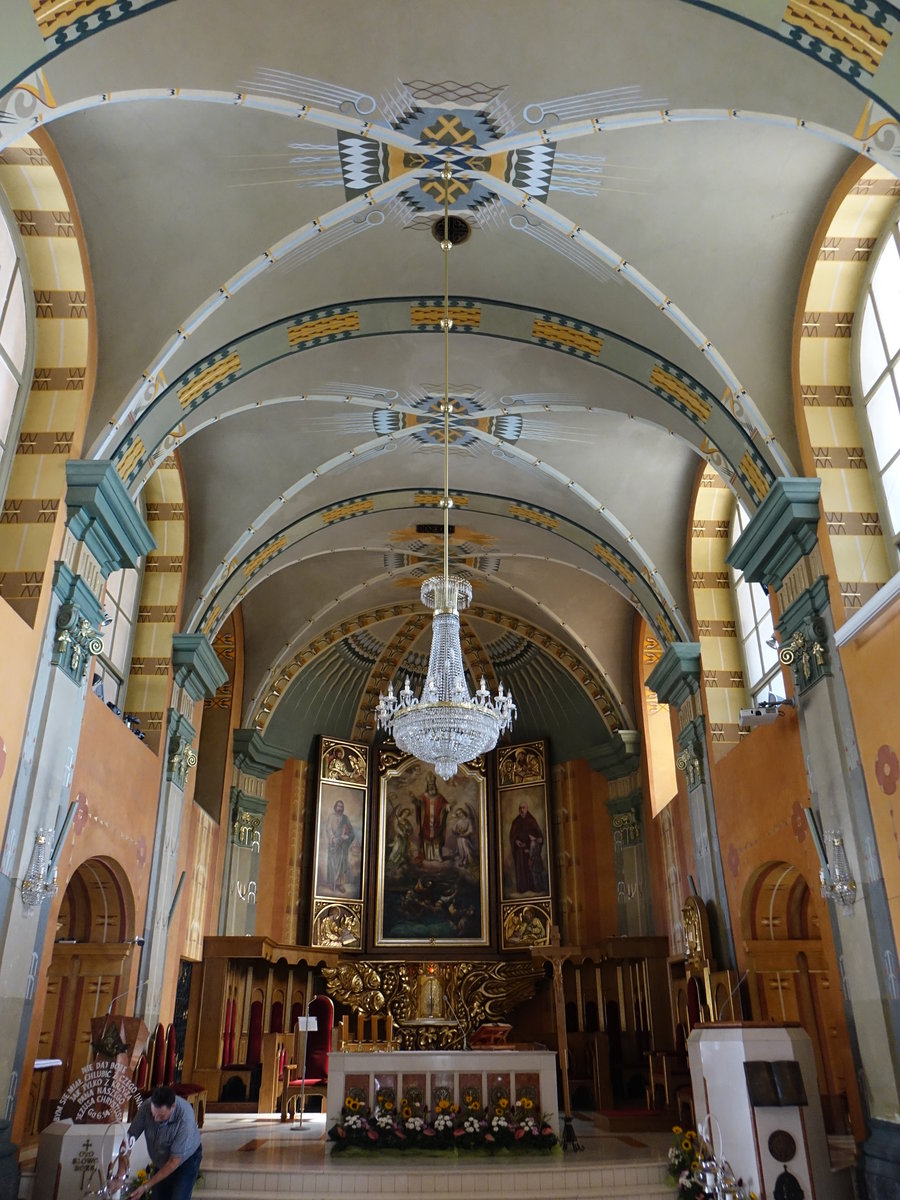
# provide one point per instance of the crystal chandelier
(446, 726)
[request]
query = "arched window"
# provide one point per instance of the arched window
(877, 362)
(15, 342)
(755, 627)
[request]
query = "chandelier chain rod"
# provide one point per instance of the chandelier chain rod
(446, 246)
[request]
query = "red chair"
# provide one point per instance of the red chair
(313, 1081)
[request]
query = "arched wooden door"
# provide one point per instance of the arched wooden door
(793, 977)
(90, 968)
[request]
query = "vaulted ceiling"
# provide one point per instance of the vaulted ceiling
(258, 182)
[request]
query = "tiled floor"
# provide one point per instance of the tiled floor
(248, 1157)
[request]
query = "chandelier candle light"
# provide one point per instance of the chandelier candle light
(446, 726)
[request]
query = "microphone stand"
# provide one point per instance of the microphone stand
(462, 1027)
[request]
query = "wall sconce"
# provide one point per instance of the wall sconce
(835, 876)
(39, 883)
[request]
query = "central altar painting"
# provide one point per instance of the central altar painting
(432, 860)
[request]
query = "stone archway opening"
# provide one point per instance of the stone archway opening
(92, 969)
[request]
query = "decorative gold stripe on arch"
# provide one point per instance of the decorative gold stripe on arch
(712, 602)
(65, 329)
(826, 420)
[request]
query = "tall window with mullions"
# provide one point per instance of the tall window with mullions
(120, 616)
(14, 339)
(755, 627)
(877, 344)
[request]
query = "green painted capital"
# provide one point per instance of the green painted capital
(196, 666)
(692, 752)
(103, 516)
(781, 532)
(677, 674)
(180, 753)
(619, 756)
(254, 756)
(76, 638)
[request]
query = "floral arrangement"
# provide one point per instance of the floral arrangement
(685, 1173)
(684, 1163)
(137, 1180)
(469, 1125)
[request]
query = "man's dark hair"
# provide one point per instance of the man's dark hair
(162, 1097)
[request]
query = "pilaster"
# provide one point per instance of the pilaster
(254, 761)
(197, 673)
(676, 681)
(104, 532)
(633, 901)
(779, 549)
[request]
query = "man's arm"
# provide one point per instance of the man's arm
(172, 1164)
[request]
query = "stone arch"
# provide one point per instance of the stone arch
(793, 976)
(90, 970)
(35, 182)
(831, 445)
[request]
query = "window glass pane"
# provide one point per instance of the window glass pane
(884, 421)
(7, 259)
(8, 391)
(766, 632)
(872, 359)
(886, 290)
(754, 661)
(120, 641)
(12, 335)
(127, 591)
(891, 481)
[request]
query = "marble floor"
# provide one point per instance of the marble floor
(247, 1157)
(242, 1139)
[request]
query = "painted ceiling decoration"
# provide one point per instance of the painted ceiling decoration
(639, 224)
(724, 432)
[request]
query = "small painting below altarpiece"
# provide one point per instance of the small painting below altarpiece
(340, 844)
(523, 840)
(432, 871)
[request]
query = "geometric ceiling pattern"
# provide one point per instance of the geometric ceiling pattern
(257, 194)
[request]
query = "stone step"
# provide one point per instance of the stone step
(524, 1180)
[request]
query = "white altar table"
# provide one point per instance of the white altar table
(455, 1069)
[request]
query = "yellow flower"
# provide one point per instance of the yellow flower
(527, 1103)
(677, 1130)
(695, 1165)
(686, 1145)
(691, 1135)
(503, 1102)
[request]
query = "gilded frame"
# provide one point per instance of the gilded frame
(341, 834)
(431, 890)
(523, 847)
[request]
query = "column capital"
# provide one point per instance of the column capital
(676, 676)
(619, 756)
(180, 753)
(196, 665)
(102, 515)
(254, 756)
(781, 532)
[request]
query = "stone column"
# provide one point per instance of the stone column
(676, 681)
(197, 673)
(254, 762)
(779, 548)
(104, 533)
(633, 901)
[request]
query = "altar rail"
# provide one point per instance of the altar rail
(457, 1070)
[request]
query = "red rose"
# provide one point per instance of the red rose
(372, 1134)
(519, 1134)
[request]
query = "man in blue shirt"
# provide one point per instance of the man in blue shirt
(173, 1142)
